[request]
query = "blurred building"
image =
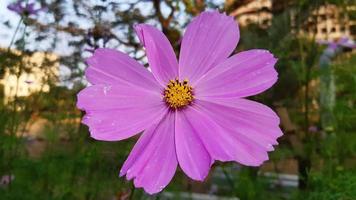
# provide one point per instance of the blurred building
(254, 12)
(329, 22)
(29, 75)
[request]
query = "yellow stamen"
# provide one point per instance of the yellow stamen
(178, 94)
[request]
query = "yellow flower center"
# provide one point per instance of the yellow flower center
(178, 94)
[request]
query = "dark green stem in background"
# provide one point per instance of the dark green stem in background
(228, 178)
(132, 192)
(14, 123)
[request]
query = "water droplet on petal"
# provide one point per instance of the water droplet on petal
(106, 89)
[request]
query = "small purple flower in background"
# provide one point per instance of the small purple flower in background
(28, 82)
(343, 42)
(6, 179)
(313, 129)
(23, 8)
(193, 112)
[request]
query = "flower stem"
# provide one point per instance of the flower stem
(132, 194)
(15, 123)
(15, 33)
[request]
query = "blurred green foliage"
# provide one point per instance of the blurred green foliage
(71, 165)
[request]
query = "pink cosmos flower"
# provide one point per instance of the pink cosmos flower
(192, 112)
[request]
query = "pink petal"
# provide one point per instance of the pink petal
(160, 54)
(254, 126)
(192, 156)
(223, 142)
(120, 111)
(247, 118)
(153, 161)
(244, 74)
(113, 67)
(209, 39)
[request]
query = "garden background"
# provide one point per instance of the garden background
(46, 153)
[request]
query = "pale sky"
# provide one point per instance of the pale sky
(62, 48)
